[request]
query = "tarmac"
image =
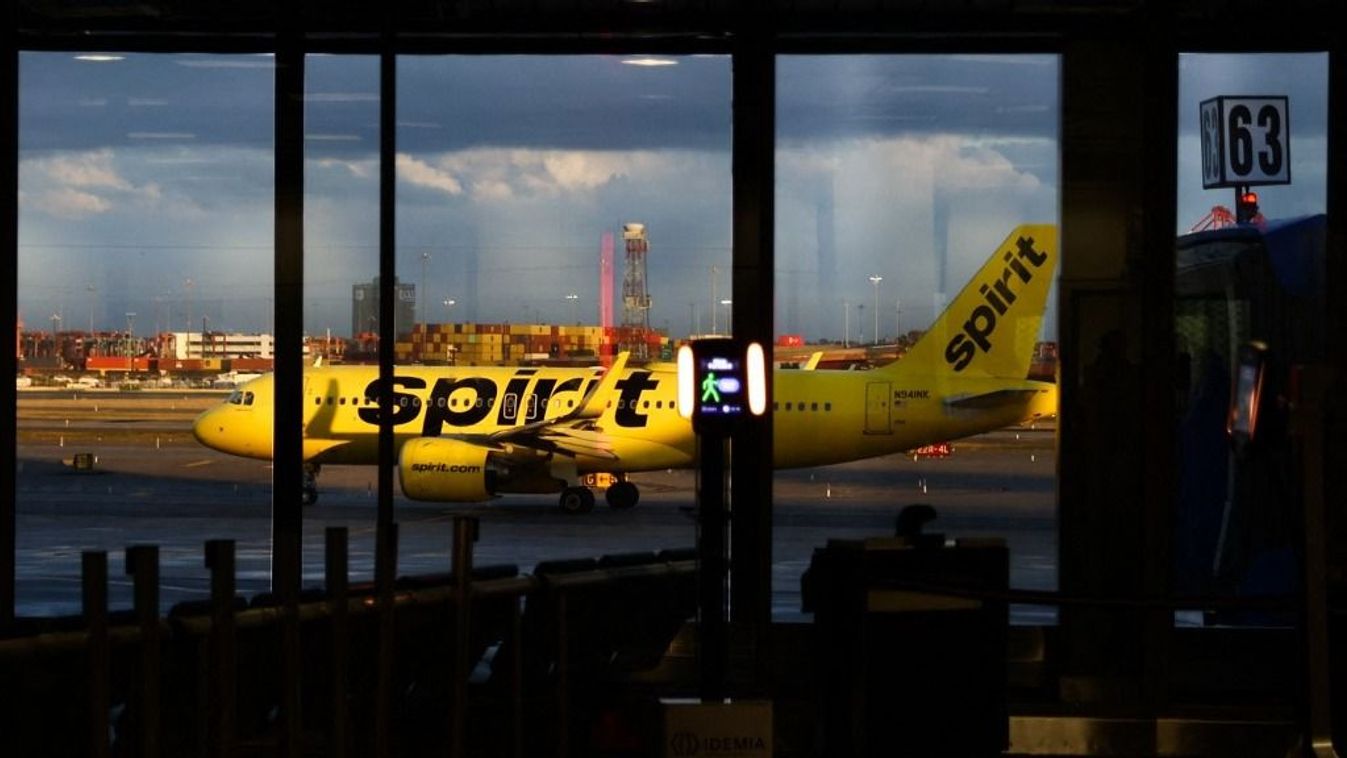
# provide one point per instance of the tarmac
(152, 483)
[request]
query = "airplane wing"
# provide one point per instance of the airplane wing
(593, 403)
(569, 434)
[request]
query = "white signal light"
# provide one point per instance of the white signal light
(757, 379)
(686, 381)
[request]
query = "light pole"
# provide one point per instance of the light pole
(860, 323)
(187, 285)
(449, 304)
(130, 333)
(729, 328)
(575, 303)
(425, 258)
(875, 280)
(846, 324)
(897, 318)
(91, 290)
(714, 271)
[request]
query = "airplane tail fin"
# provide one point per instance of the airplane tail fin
(991, 327)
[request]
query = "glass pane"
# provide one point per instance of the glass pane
(916, 206)
(144, 285)
(1249, 306)
(341, 266)
(554, 214)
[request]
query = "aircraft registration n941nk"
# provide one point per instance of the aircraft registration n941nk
(469, 433)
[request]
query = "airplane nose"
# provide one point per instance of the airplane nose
(207, 430)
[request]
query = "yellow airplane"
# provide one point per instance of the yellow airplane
(469, 433)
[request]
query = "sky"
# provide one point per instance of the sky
(146, 182)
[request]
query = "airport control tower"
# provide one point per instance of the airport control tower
(635, 297)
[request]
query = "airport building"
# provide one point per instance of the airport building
(1054, 461)
(198, 345)
(365, 307)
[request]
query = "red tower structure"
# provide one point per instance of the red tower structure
(606, 297)
(635, 296)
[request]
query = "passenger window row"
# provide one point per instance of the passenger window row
(416, 401)
(827, 407)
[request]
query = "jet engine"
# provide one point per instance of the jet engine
(445, 470)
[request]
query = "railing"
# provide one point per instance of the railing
(480, 658)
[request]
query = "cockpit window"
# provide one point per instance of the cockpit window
(247, 398)
(235, 397)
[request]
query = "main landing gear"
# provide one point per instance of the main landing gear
(577, 500)
(621, 495)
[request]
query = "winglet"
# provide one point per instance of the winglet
(812, 363)
(594, 402)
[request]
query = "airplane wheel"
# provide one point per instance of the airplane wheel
(622, 495)
(577, 500)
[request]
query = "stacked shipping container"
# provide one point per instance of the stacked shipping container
(486, 344)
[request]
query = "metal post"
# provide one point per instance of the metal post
(385, 568)
(220, 729)
(713, 639)
(288, 436)
(142, 565)
(1309, 422)
(386, 531)
(339, 613)
(465, 533)
(9, 241)
(563, 677)
(95, 578)
(517, 678)
(754, 176)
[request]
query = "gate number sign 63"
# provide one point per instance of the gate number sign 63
(1245, 141)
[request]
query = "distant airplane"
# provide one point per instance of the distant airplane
(469, 433)
(231, 379)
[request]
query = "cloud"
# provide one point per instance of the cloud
(365, 169)
(93, 170)
(494, 174)
(66, 203)
(949, 162)
(422, 174)
(79, 185)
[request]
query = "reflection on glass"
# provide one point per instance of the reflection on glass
(897, 177)
(1248, 308)
(144, 296)
(341, 293)
(554, 214)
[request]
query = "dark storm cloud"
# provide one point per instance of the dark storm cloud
(589, 102)
(1301, 77)
(884, 95)
(456, 102)
(71, 104)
